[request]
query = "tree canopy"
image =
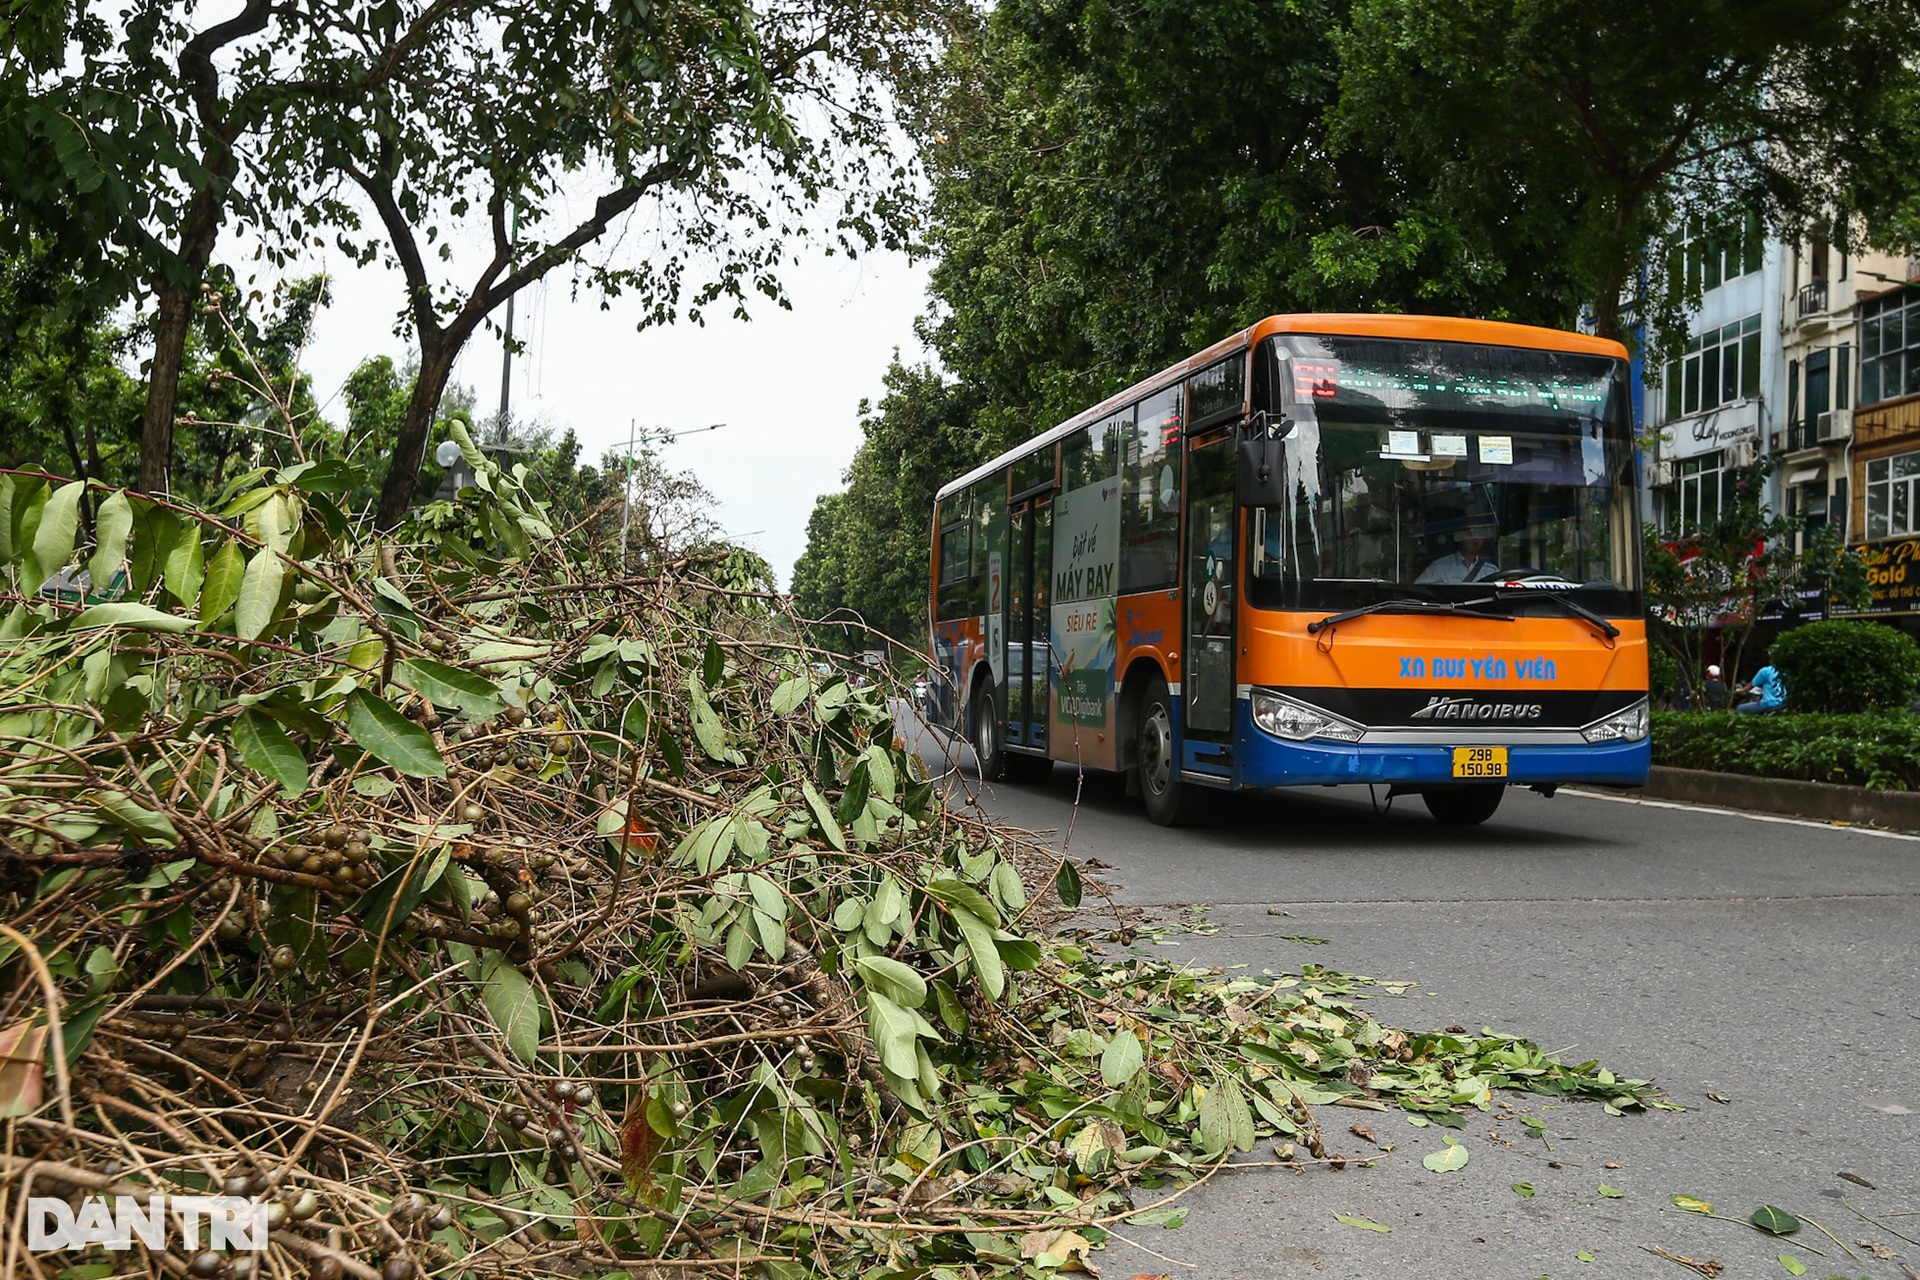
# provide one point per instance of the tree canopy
(1117, 186)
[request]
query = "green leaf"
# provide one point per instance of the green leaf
(1121, 1060)
(402, 889)
(1793, 1265)
(791, 695)
(1611, 1193)
(136, 819)
(1365, 1224)
(894, 1034)
(447, 686)
(265, 748)
(893, 979)
(1692, 1205)
(53, 540)
(823, 816)
(389, 736)
(127, 613)
(513, 1005)
(1584, 1256)
(1225, 1119)
(183, 562)
(222, 584)
(1774, 1221)
(964, 897)
(1448, 1159)
(112, 525)
(1017, 954)
(985, 955)
(713, 664)
(1524, 1190)
(260, 588)
(1066, 884)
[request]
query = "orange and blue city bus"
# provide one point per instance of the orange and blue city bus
(1398, 550)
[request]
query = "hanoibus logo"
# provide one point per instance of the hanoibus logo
(231, 1222)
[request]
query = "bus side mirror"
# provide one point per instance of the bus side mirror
(1262, 470)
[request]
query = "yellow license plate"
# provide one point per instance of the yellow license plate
(1479, 762)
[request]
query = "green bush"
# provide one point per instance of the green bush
(1871, 750)
(1847, 667)
(1663, 672)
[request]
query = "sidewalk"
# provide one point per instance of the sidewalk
(1820, 801)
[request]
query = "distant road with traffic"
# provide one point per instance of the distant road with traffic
(1764, 972)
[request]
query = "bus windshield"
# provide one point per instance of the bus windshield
(1440, 470)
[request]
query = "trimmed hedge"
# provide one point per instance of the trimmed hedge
(1847, 666)
(1879, 750)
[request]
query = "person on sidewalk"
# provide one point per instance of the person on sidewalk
(1769, 693)
(1715, 690)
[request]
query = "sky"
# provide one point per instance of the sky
(788, 384)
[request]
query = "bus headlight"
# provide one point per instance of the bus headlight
(1282, 717)
(1626, 725)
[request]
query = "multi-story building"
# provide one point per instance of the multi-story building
(1718, 402)
(1882, 472)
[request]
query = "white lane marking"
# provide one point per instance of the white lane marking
(1739, 813)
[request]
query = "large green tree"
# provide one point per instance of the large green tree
(1612, 121)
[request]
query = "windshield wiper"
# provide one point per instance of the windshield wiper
(1573, 607)
(1463, 609)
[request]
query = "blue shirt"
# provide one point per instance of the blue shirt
(1772, 689)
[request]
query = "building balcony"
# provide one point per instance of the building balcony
(1814, 432)
(1812, 300)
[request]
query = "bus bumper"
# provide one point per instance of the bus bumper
(1267, 761)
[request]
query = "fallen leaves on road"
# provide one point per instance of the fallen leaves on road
(1365, 1224)
(1448, 1159)
(1793, 1265)
(1776, 1222)
(1611, 1193)
(1693, 1204)
(1524, 1190)
(1855, 1179)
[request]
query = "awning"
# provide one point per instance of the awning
(1803, 475)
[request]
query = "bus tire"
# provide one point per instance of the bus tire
(983, 732)
(1169, 801)
(1467, 806)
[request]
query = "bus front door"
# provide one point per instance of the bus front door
(1029, 621)
(1207, 679)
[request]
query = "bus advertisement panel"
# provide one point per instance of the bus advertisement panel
(1337, 549)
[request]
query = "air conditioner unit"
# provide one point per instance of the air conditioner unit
(1836, 424)
(1740, 453)
(1659, 474)
(1778, 441)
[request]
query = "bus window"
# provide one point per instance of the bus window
(1034, 471)
(1217, 392)
(1150, 513)
(1092, 454)
(956, 559)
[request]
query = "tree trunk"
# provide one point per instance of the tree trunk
(174, 318)
(437, 352)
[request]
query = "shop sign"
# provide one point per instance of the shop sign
(1893, 577)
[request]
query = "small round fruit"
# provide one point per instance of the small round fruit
(679, 1110)
(305, 1205)
(326, 1268)
(473, 813)
(518, 1120)
(563, 1089)
(284, 958)
(396, 1269)
(436, 644)
(355, 851)
(236, 1184)
(509, 929)
(207, 1264)
(277, 1215)
(514, 715)
(518, 903)
(344, 874)
(440, 1219)
(336, 835)
(230, 928)
(411, 1205)
(314, 863)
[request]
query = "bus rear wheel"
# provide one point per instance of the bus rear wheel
(1169, 801)
(1467, 806)
(984, 718)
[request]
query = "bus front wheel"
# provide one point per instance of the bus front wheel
(1169, 802)
(1464, 806)
(987, 752)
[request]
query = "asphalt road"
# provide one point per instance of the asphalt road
(1769, 962)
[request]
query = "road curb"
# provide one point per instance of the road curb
(1821, 801)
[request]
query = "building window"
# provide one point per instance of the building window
(1717, 249)
(1893, 508)
(1719, 367)
(1890, 347)
(1699, 483)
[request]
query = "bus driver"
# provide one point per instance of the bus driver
(1464, 563)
